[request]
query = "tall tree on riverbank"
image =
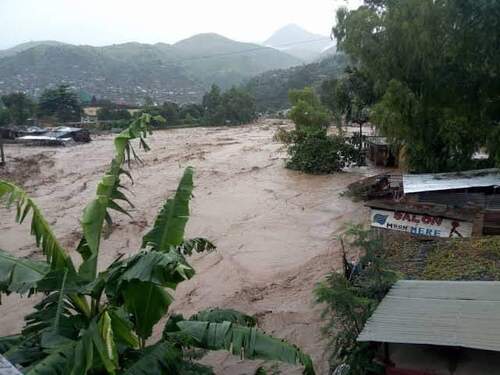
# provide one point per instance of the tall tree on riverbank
(61, 103)
(18, 108)
(435, 65)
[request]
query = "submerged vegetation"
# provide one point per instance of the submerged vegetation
(309, 147)
(91, 322)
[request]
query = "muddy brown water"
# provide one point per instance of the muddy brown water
(275, 229)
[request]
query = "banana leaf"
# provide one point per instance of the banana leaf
(169, 226)
(198, 245)
(96, 213)
(225, 315)
(245, 341)
(56, 255)
(20, 275)
(148, 303)
(159, 359)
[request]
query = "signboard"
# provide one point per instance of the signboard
(420, 225)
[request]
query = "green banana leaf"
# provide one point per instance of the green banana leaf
(245, 341)
(225, 315)
(56, 255)
(108, 193)
(198, 245)
(148, 303)
(20, 275)
(159, 359)
(169, 226)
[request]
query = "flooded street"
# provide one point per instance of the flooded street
(274, 229)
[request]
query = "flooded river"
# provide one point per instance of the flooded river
(275, 229)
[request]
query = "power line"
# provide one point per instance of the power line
(255, 49)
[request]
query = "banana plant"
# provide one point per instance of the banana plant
(91, 322)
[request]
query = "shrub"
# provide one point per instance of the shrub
(318, 153)
(351, 298)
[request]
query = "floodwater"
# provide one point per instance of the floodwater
(275, 229)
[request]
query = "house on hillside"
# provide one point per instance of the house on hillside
(437, 328)
(89, 115)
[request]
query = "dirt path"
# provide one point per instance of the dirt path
(275, 229)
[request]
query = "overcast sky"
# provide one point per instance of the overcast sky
(102, 22)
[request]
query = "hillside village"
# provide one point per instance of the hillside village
(308, 204)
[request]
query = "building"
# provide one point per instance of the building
(380, 152)
(459, 204)
(438, 328)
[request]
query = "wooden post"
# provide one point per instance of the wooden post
(2, 155)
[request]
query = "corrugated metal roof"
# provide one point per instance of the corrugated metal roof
(416, 183)
(449, 313)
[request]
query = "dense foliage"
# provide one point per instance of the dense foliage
(232, 107)
(348, 97)
(350, 299)
(17, 109)
(91, 322)
(235, 106)
(310, 149)
(271, 88)
(60, 103)
(435, 67)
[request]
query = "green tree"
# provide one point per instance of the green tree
(349, 97)
(310, 149)
(350, 299)
(212, 106)
(91, 322)
(61, 103)
(4, 116)
(308, 114)
(20, 108)
(235, 106)
(435, 66)
(238, 106)
(109, 114)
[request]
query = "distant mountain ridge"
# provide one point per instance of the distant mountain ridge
(300, 43)
(132, 71)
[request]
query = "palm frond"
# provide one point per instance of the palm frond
(56, 255)
(169, 226)
(245, 341)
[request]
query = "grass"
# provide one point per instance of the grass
(449, 259)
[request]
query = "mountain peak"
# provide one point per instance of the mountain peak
(298, 42)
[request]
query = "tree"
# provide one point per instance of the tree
(349, 299)
(61, 103)
(308, 114)
(310, 149)
(349, 97)
(19, 106)
(238, 106)
(435, 66)
(110, 114)
(212, 106)
(91, 322)
(235, 106)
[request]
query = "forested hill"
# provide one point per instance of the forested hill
(132, 71)
(271, 88)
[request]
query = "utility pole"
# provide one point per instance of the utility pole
(2, 155)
